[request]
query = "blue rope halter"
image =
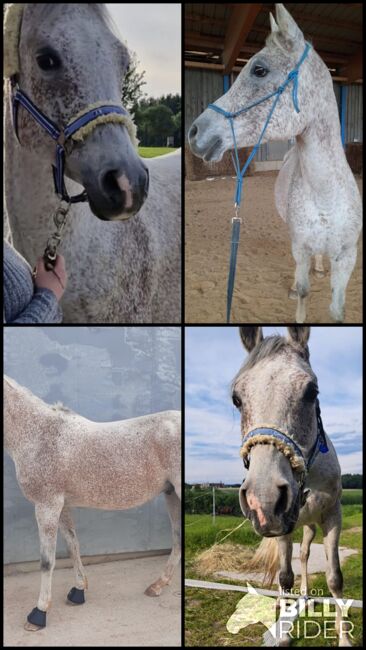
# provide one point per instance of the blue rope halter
(292, 77)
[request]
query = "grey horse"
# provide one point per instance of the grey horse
(63, 460)
(315, 192)
(277, 389)
(122, 249)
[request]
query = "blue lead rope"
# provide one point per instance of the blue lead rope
(292, 77)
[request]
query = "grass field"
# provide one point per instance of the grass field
(152, 152)
(207, 612)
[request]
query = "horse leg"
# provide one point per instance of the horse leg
(286, 577)
(308, 536)
(67, 529)
(174, 509)
(302, 260)
(341, 269)
(331, 529)
(47, 516)
(318, 266)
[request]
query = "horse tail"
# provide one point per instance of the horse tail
(266, 559)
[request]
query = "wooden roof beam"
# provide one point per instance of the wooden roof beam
(241, 21)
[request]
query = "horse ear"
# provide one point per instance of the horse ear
(299, 335)
(250, 337)
(290, 32)
(274, 26)
(12, 25)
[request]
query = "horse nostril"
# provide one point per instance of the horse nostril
(243, 500)
(281, 504)
(192, 132)
(109, 183)
(147, 182)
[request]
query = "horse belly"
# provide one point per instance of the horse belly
(115, 496)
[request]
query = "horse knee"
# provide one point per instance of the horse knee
(46, 565)
(302, 289)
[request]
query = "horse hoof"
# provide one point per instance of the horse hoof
(292, 294)
(30, 627)
(76, 596)
(153, 591)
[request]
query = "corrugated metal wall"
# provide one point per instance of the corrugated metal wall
(205, 86)
(354, 118)
(201, 88)
(103, 373)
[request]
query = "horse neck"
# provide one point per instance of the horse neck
(30, 199)
(322, 159)
(21, 411)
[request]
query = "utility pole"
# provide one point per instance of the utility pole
(213, 506)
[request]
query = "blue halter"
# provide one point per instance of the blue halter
(61, 136)
(292, 77)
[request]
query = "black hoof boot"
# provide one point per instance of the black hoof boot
(37, 617)
(76, 596)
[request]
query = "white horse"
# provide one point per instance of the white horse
(315, 192)
(63, 460)
(120, 271)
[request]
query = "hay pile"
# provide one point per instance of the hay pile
(223, 557)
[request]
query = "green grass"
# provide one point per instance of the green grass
(207, 612)
(152, 152)
(352, 496)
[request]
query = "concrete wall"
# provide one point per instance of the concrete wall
(103, 373)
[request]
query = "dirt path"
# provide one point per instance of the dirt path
(265, 265)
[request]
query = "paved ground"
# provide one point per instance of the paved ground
(117, 613)
(316, 563)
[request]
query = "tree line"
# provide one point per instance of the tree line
(156, 118)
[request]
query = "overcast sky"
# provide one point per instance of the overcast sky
(153, 31)
(215, 354)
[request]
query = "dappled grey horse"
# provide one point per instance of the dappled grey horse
(293, 477)
(63, 459)
(315, 192)
(122, 249)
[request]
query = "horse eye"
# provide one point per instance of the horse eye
(48, 61)
(259, 71)
(311, 393)
(236, 401)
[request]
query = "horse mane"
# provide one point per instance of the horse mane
(59, 406)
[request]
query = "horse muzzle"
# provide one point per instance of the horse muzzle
(117, 193)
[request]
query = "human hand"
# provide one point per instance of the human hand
(55, 279)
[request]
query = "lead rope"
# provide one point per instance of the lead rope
(54, 241)
(236, 220)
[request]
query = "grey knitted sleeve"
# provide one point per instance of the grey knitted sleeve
(43, 308)
(23, 303)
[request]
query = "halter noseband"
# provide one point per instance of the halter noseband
(285, 443)
(72, 131)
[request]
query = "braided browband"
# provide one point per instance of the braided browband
(285, 444)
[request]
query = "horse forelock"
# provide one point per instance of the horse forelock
(268, 348)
